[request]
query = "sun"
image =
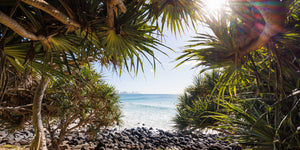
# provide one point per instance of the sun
(214, 5)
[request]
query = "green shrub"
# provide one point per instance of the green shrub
(85, 102)
(195, 104)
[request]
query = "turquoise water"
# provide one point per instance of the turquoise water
(148, 110)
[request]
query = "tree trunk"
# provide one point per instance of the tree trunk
(111, 4)
(110, 14)
(55, 144)
(39, 140)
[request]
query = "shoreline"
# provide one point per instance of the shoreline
(134, 138)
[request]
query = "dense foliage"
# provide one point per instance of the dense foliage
(255, 42)
(258, 92)
(17, 101)
(85, 102)
(52, 38)
(195, 104)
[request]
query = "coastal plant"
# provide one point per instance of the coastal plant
(258, 88)
(195, 104)
(52, 37)
(16, 103)
(86, 103)
(257, 124)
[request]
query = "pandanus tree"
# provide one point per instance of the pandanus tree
(256, 22)
(195, 103)
(243, 26)
(52, 37)
(256, 45)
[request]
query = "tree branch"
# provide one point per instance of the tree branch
(16, 27)
(121, 5)
(110, 15)
(111, 4)
(17, 108)
(41, 4)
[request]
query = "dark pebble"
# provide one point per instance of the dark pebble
(134, 138)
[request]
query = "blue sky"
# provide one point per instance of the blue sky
(167, 79)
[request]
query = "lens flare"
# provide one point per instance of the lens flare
(214, 5)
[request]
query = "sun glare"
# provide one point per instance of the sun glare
(214, 5)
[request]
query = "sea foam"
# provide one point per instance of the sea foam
(148, 110)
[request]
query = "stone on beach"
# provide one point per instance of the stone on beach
(134, 138)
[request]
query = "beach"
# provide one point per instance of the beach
(148, 110)
(147, 124)
(134, 138)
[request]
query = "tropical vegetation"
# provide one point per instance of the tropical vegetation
(50, 39)
(257, 94)
(195, 103)
(83, 102)
(86, 103)
(254, 44)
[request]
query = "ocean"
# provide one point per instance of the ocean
(148, 110)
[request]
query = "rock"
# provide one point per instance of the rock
(2, 140)
(183, 143)
(134, 138)
(181, 139)
(161, 131)
(201, 146)
(188, 136)
(169, 134)
(76, 147)
(210, 140)
(30, 130)
(110, 145)
(17, 144)
(73, 142)
(8, 140)
(65, 147)
(17, 139)
(29, 133)
(100, 145)
(141, 146)
(85, 146)
(216, 147)
(10, 136)
(122, 145)
(3, 133)
(81, 141)
(24, 142)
